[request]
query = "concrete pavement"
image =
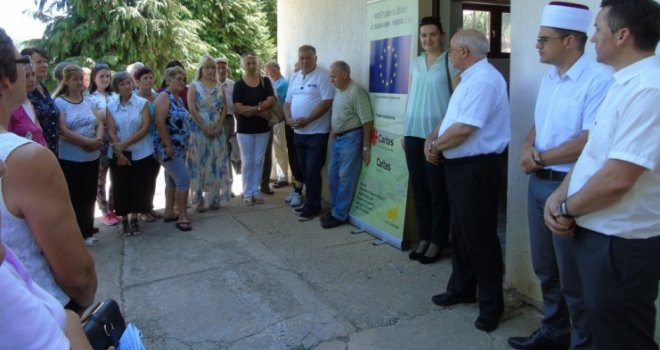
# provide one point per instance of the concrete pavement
(256, 278)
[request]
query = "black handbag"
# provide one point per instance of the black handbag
(104, 325)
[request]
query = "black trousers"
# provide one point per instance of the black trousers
(429, 193)
(620, 285)
(293, 158)
(472, 185)
(82, 178)
(131, 192)
(150, 180)
(268, 162)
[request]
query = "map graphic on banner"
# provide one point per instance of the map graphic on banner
(379, 205)
(388, 66)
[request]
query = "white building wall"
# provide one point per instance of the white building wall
(338, 30)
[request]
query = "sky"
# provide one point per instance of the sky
(20, 26)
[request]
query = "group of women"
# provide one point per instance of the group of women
(119, 123)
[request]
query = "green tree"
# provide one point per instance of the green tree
(232, 28)
(120, 32)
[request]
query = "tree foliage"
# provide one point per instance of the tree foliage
(121, 32)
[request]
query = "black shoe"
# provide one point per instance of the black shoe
(486, 324)
(267, 190)
(307, 215)
(325, 217)
(299, 210)
(424, 260)
(332, 222)
(448, 299)
(537, 341)
(95, 229)
(414, 255)
(280, 184)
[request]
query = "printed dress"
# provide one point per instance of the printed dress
(208, 159)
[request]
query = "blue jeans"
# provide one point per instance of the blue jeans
(555, 265)
(343, 172)
(311, 151)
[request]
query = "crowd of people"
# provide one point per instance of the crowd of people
(591, 155)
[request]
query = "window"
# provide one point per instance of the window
(495, 22)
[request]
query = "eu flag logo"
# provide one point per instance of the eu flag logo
(389, 64)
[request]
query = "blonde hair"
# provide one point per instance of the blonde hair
(69, 71)
(202, 61)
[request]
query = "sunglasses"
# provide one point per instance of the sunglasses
(26, 61)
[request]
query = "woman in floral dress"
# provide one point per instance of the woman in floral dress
(208, 159)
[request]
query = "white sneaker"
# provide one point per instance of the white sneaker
(296, 199)
(91, 242)
(288, 198)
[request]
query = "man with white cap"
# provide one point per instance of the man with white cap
(610, 202)
(569, 96)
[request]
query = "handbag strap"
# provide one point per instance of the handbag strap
(451, 88)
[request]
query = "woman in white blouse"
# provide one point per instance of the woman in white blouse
(132, 148)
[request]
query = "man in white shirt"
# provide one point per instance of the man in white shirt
(473, 134)
(307, 110)
(610, 202)
(222, 65)
(569, 96)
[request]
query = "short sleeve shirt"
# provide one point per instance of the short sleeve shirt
(80, 119)
(305, 92)
(128, 120)
(626, 128)
(480, 100)
(252, 96)
(351, 108)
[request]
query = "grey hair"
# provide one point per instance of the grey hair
(118, 78)
(273, 64)
(475, 40)
(343, 67)
(170, 73)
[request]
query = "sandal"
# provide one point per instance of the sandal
(135, 227)
(200, 208)
(156, 214)
(183, 226)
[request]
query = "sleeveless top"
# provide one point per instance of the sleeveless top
(178, 127)
(15, 232)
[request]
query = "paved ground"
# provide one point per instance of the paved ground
(255, 278)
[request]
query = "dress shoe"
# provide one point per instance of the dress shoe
(424, 260)
(537, 341)
(414, 255)
(332, 222)
(280, 184)
(267, 190)
(486, 324)
(448, 299)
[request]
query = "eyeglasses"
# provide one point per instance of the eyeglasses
(26, 61)
(545, 39)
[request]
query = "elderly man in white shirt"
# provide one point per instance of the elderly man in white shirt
(610, 202)
(474, 133)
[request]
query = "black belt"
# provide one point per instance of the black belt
(339, 134)
(549, 174)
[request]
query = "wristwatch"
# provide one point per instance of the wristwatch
(365, 148)
(258, 108)
(563, 210)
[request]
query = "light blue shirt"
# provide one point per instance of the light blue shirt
(80, 119)
(567, 105)
(128, 120)
(429, 95)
